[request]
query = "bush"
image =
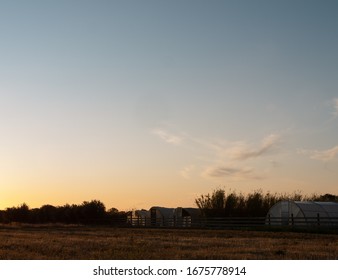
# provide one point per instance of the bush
(93, 212)
(255, 204)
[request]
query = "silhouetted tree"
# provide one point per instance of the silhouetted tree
(93, 212)
(48, 214)
(18, 214)
(328, 197)
(116, 217)
(3, 217)
(212, 205)
(255, 204)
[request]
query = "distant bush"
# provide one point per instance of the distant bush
(255, 204)
(92, 212)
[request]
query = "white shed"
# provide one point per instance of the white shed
(303, 213)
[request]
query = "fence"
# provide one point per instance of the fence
(317, 221)
(236, 222)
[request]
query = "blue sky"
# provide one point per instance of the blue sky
(141, 103)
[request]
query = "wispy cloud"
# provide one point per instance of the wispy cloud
(186, 171)
(335, 106)
(324, 155)
(231, 171)
(224, 158)
(168, 137)
(229, 156)
(242, 151)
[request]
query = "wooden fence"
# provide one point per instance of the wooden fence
(236, 222)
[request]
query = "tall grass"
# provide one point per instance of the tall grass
(255, 204)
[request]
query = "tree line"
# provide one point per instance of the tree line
(255, 204)
(217, 204)
(89, 212)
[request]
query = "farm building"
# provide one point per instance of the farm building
(303, 213)
(161, 216)
(186, 217)
(140, 218)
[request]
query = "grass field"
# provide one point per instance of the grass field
(75, 242)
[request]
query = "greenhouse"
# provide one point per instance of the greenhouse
(303, 213)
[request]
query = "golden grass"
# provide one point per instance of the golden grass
(74, 242)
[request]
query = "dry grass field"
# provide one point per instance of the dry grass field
(75, 242)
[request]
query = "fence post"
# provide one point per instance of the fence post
(318, 220)
(269, 220)
(292, 221)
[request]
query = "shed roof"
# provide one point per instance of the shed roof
(187, 211)
(163, 211)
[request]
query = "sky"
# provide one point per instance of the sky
(143, 103)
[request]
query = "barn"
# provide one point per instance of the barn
(140, 218)
(187, 217)
(169, 217)
(303, 213)
(162, 216)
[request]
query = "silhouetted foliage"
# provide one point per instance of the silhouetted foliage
(47, 214)
(328, 197)
(18, 214)
(255, 204)
(89, 212)
(92, 212)
(218, 204)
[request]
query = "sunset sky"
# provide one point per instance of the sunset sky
(142, 103)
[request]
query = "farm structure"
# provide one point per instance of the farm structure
(140, 218)
(303, 214)
(307, 214)
(158, 216)
(162, 216)
(187, 217)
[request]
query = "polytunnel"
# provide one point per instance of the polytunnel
(303, 213)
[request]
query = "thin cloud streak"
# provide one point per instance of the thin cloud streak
(241, 151)
(231, 171)
(335, 105)
(223, 157)
(324, 155)
(168, 137)
(186, 171)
